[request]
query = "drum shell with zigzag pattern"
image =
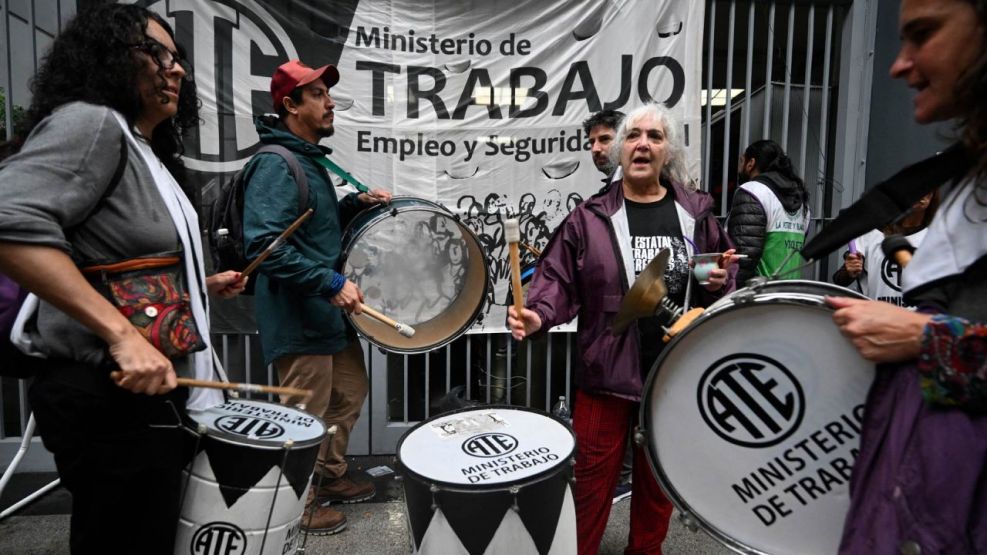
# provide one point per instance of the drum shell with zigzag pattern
(247, 478)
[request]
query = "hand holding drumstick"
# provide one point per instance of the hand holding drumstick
(350, 299)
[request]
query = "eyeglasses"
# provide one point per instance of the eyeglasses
(164, 57)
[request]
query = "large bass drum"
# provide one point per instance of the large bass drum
(752, 419)
(421, 266)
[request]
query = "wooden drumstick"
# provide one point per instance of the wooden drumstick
(898, 248)
(403, 329)
(681, 323)
(512, 233)
(531, 249)
(276, 243)
(241, 387)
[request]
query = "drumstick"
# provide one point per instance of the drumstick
(512, 233)
(681, 323)
(246, 387)
(897, 248)
(403, 329)
(276, 243)
(530, 249)
(242, 387)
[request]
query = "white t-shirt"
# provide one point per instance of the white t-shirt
(881, 278)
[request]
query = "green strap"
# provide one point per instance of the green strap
(331, 166)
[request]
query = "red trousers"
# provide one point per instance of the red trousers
(601, 423)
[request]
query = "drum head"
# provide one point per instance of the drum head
(418, 265)
(260, 424)
(492, 447)
(752, 418)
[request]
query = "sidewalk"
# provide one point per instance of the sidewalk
(378, 527)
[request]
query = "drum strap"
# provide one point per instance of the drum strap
(331, 166)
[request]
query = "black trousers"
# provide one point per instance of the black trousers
(120, 455)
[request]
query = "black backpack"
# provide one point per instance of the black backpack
(226, 215)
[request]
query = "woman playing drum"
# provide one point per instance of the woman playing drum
(920, 481)
(89, 181)
(585, 271)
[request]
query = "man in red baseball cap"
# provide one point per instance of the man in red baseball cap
(300, 297)
(288, 87)
(293, 74)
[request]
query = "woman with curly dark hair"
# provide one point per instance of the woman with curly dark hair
(93, 224)
(919, 484)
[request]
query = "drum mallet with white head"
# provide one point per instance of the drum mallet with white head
(403, 329)
(897, 248)
(512, 233)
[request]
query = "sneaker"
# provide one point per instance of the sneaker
(622, 491)
(344, 490)
(322, 521)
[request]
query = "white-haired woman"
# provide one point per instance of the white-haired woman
(585, 271)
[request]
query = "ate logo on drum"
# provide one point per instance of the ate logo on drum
(891, 274)
(249, 426)
(751, 400)
(218, 538)
(489, 445)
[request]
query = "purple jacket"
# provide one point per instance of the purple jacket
(920, 479)
(583, 272)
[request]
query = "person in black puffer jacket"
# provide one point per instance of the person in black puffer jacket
(769, 217)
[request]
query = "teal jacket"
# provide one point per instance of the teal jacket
(294, 315)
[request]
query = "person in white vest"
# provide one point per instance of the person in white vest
(866, 268)
(769, 216)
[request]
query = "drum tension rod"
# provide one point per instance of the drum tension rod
(514, 491)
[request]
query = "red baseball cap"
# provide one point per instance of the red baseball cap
(293, 74)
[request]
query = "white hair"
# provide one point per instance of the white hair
(674, 168)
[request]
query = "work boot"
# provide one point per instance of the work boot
(343, 490)
(322, 521)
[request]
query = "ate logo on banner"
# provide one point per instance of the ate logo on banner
(751, 400)
(490, 445)
(249, 426)
(218, 538)
(228, 43)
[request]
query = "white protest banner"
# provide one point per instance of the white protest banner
(474, 105)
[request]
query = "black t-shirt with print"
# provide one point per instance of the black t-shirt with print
(655, 226)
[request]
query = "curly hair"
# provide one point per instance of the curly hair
(674, 168)
(93, 60)
(971, 90)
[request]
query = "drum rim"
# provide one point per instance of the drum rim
(192, 428)
(650, 451)
(350, 239)
(503, 486)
